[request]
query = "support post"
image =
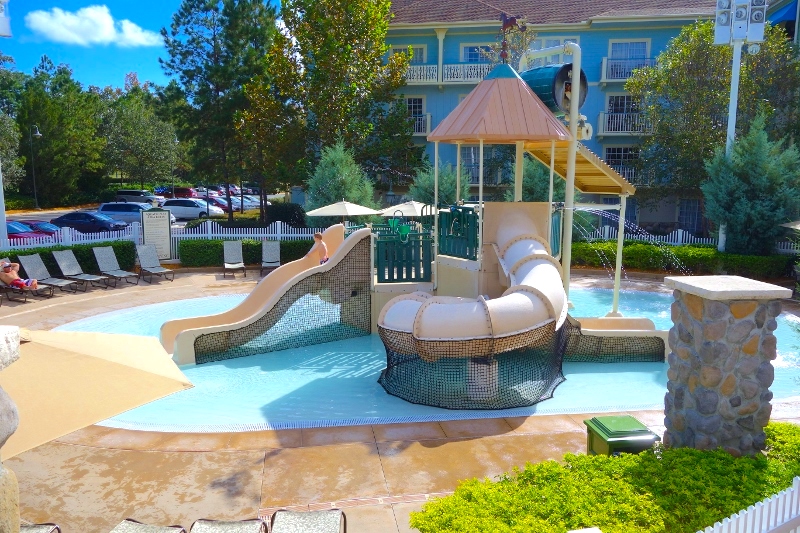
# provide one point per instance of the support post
(569, 194)
(458, 172)
(436, 215)
(550, 193)
(3, 230)
(518, 172)
(733, 103)
(623, 200)
(480, 205)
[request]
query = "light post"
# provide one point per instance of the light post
(174, 156)
(31, 135)
(737, 22)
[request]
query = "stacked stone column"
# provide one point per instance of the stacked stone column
(720, 366)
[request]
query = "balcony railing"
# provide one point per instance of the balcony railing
(422, 124)
(419, 74)
(465, 72)
(635, 176)
(623, 124)
(621, 69)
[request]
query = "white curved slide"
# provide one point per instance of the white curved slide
(178, 336)
(534, 298)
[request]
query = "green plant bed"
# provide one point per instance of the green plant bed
(124, 250)
(662, 490)
(209, 252)
(698, 259)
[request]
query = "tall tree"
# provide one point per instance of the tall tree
(685, 98)
(423, 189)
(753, 190)
(215, 47)
(9, 152)
(536, 183)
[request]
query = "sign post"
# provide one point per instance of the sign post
(156, 229)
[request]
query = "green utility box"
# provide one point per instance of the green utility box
(611, 435)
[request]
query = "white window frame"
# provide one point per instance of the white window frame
(540, 43)
(464, 47)
(611, 95)
(403, 49)
(420, 96)
(639, 40)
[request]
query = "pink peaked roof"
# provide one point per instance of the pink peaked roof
(502, 109)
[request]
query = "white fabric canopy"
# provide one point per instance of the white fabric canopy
(408, 209)
(342, 209)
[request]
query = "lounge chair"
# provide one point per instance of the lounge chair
(149, 263)
(21, 295)
(218, 526)
(71, 269)
(233, 259)
(39, 528)
(132, 526)
(328, 521)
(270, 255)
(34, 268)
(109, 266)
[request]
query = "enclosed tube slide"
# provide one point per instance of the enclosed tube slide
(535, 297)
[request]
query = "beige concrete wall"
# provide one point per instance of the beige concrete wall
(455, 280)
(381, 295)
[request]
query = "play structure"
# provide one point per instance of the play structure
(473, 311)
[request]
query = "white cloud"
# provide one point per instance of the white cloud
(87, 26)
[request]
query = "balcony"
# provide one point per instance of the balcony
(619, 70)
(622, 124)
(422, 74)
(634, 176)
(451, 73)
(422, 124)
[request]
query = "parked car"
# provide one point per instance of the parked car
(141, 196)
(87, 222)
(220, 202)
(191, 208)
(42, 227)
(181, 192)
(18, 231)
(254, 201)
(126, 211)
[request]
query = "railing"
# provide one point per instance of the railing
(458, 232)
(417, 74)
(465, 72)
(422, 124)
(623, 124)
(403, 257)
(777, 514)
(621, 69)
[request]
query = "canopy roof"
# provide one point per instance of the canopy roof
(502, 109)
(592, 174)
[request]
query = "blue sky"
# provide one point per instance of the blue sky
(100, 40)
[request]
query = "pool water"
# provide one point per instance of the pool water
(336, 383)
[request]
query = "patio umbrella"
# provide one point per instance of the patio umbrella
(408, 209)
(342, 209)
(792, 225)
(64, 381)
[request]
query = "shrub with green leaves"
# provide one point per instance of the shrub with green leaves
(209, 252)
(661, 490)
(124, 250)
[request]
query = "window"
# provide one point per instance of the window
(493, 173)
(631, 210)
(629, 50)
(416, 106)
(472, 53)
(622, 104)
(620, 158)
(419, 52)
(547, 42)
(690, 217)
(625, 57)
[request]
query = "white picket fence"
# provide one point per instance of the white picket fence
(677, 237)
(777, 514)
(69, 236)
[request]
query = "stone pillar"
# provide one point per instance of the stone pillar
(719, 367)
(9, 420)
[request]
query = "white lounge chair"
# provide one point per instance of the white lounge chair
(39, 528)
(149, 263)
(132, 526)
(270, 255)
(233, 258)
(35, 269)
(328, 521)
(108, 264)
(71, 269)
(239, 526)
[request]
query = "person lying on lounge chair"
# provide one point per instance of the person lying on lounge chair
(9, 274)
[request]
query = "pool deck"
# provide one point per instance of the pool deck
(90, 480)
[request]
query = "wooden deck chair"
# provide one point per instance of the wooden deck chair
(149, 263)
(109, 266)
(233, 259)
(328, 521)
(21, 295)
(39, 528)
(270, 255)
(71, 269)
(34, 268)
(218, 526)
(132, 526)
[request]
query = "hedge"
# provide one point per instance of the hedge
(124, 250)
(209, 252)
(697, 259)
(661, 490)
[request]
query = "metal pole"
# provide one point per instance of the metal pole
(732, 106)
(518, 172)
(3, 230)
(33, 168)
(435, 215)
(550, 195)
(458, 172)
(623, 200)
(480, 206)
(569, 195)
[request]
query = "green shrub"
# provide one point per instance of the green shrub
(17, 202)
(124, 250)
(661, 490)
(292, 214)
(209, 252)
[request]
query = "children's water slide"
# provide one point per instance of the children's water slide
(343, 281)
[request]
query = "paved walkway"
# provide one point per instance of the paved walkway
(90, 480)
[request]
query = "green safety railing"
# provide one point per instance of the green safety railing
(403, 256)
(458, 232)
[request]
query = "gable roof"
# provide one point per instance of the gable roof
(563, 12)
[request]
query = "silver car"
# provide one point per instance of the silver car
(127, 211)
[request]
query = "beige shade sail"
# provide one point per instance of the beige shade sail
(64, 381)
(592, 174)
(408, 209)
(342, 209)
(792, 225)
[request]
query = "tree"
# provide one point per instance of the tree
(338, 177)
(215, 47)
(422, 190)
(518, 41)
(536, 183)
(753, 190)
(685, 98)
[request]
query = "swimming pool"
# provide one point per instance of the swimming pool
(336, 384)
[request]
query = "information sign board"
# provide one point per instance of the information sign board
(156, 228)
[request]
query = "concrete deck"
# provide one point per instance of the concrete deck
(90, 480)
